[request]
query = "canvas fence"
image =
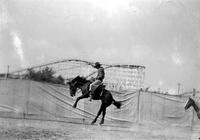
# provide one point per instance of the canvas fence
(35, 100)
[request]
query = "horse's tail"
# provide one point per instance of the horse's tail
(117, 103)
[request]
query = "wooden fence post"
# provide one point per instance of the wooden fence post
(138, 106)
(193, 95)
(151, 106)
(7, 73)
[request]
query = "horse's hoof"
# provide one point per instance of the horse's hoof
(101, 123)
(93, 122)
(74, 106)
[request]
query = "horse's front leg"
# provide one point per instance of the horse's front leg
(81, 97)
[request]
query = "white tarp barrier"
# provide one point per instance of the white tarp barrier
(30, 99)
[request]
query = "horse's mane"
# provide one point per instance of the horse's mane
(80, 79)
(196, 101)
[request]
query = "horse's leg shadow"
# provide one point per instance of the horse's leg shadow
(99, 112)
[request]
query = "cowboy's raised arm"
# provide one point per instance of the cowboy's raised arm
(91, 64)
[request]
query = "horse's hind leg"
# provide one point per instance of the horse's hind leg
(103, 115)
(99, 112)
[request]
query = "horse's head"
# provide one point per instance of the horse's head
(75, 83)
(189, 103)
(72, 88)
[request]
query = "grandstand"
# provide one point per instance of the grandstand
(118, 77)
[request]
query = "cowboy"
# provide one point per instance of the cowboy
(98, 80)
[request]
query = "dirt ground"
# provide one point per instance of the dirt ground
(15, 129)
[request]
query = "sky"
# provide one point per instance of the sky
(162, 35)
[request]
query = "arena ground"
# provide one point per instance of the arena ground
(17, 129)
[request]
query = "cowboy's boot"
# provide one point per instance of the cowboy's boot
(90, 99)
(90, 96)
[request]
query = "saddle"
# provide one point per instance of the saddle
(97, 91)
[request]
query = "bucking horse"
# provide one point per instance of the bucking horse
(100, 94)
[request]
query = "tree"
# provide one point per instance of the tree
(45, 75)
